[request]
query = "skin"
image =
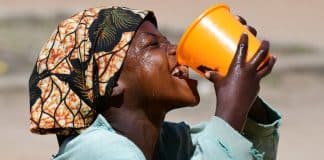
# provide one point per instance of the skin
(146, 89)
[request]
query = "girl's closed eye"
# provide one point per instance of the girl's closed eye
(149, 42)
(152, 42)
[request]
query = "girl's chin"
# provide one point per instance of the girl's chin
(189, 101)
(194, 92)
(195, 101)
(187, 92)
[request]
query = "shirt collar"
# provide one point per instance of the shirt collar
(101, 122)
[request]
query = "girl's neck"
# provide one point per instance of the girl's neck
(141, 126)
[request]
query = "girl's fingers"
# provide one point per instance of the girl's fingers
(260, 55)
(241, 19)
(241, 51)
(268, 68)
(213, 76)
(252, 30)
(243, 22)
(204, 68)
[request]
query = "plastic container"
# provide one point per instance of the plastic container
(212, 39)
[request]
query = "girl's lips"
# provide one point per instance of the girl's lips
(181, 74)
(180, 71)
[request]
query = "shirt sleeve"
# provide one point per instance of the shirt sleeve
(216, 139)
(264, 137)
(99, 145)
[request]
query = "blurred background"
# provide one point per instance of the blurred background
(295, 88)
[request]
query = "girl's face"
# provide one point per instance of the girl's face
(151, 72)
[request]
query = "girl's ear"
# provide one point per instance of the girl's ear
(117, 90)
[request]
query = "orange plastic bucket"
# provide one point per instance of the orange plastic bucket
(212, 39)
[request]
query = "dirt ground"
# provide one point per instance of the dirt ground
(295, 88)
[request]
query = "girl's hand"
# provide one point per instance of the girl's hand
(237, 91)
(257, 110)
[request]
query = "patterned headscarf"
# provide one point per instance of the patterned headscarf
(78, 65)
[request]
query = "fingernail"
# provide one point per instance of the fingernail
(207, 74)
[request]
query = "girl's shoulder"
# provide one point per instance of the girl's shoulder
(99, 141)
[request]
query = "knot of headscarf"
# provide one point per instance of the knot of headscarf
(79, 64)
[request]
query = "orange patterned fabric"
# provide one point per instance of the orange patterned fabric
(78, 65)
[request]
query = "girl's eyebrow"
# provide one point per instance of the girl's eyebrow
(151, 34)
(154, 35)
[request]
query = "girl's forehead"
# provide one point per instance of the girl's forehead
(147, 27)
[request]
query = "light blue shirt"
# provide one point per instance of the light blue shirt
(213, 139)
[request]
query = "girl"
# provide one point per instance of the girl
(107, 77)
